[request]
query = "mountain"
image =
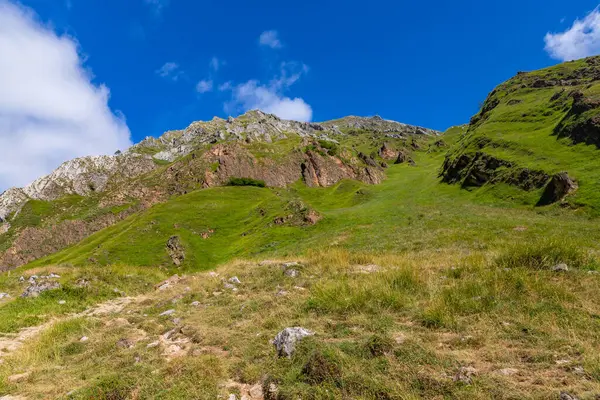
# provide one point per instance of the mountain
(259, 259)
(85, 195)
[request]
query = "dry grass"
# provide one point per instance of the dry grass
(399, 331)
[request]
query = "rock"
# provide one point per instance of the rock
(175, 250)
(567, 396)
(229, 286)
(292, 273)
(465, 375)
(125, 344)
(35, 289)
(19, 377)
(560, 268)
(153, 345)
(62, 302)
(4, 295)
(168, 283)
(235, 280)
(286, 340)
(84, 339)
(557, 189)
(195, 303)
(167, 313)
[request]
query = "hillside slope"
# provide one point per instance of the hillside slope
(85, 195)
(531, 129)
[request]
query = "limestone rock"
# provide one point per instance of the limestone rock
(286, 340)
(34, 289)
(557, 189)
(175, 250)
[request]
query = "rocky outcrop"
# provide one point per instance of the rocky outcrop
(479, 168)
(81, 176)
(379, 125)
(557, 189)
(582, 122)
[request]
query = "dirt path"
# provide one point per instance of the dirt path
(9, 343)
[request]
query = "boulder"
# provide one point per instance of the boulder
(286, 340)
(557, 189)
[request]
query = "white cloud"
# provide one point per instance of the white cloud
(170, 70)
(157, 5)
(205, 85)
(270, 97)
(270, 39)
(216, 64)
(50, 111)
(579, 41)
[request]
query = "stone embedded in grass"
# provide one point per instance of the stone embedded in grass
(62, 302)
(560, 268)
(292, 273)
(235, 280)
(4, 295)
(286, 340)
(465, 375)
(84, 339)
(175, 250)
(195, 303)
(125, 344)
(567, 396)
(167, 313)
(35, 289)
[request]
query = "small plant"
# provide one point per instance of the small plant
(378, 345)
(322, 366)
(332, 148)
(246, 182)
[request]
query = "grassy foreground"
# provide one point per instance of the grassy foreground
(427, 324)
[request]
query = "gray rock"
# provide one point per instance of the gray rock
(167, 313)
(567, 396)
(4, 295)
(35, 289)
(235, 280)
(465, 375)
(286, 340)
(292, 273)
(560, 268)
(175, 250)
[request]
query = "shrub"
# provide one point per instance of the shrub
(246, 182)
(332, 148)
(378, 345)
(322, 366)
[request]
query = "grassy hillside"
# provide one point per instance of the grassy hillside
(534, 122)
(410, 211)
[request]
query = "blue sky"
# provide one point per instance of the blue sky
(155, 65)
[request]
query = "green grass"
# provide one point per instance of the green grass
(455, 310)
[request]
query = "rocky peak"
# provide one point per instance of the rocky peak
(81, 176)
